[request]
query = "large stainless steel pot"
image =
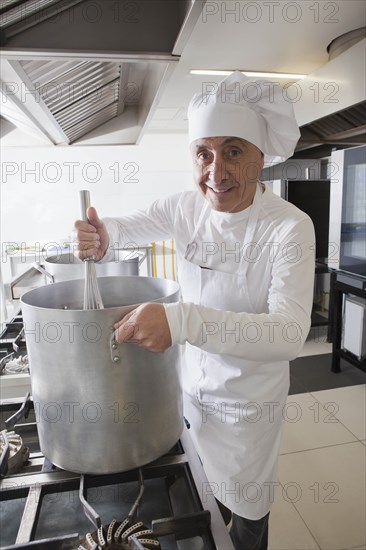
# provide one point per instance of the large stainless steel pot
(67, 267)
(101, 407)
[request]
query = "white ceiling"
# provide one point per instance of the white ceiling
(274, 35)
(256, 36)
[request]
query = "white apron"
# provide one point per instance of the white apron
(235, 407)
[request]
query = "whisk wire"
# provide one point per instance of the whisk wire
(92, 297)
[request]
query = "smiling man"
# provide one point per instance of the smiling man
(246, 267)
(226, 171)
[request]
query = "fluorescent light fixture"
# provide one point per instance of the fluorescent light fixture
(204, 72)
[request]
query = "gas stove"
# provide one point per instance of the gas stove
(165, 505)
(14, 372)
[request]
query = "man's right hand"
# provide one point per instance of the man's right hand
(92, 236)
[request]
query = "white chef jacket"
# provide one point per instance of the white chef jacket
(240, 336)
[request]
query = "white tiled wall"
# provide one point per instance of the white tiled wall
(40, 189)
(40, 185)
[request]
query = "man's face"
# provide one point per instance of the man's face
(226, 170)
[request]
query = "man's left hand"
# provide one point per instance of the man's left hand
(146, 326)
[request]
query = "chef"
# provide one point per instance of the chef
(246, 268)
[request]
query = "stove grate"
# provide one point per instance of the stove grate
(52, 508)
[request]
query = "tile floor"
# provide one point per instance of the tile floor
(321, 501)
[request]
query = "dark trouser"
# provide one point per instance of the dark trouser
(246, 534)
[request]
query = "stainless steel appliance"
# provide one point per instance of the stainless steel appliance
(347, 224)
(101, 407)
(14, 382)
(92, 72)
(312, 197)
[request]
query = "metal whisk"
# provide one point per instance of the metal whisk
(92, 297)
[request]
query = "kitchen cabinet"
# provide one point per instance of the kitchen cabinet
(341, 285)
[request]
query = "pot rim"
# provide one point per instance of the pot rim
(74, 260)
(174, 287)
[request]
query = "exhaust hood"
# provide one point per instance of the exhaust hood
(89, 72)
(331, 111)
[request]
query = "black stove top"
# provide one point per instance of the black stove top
(12, 341)
(165, 505)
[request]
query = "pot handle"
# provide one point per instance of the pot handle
(113, 345)
(44, 272)
(142, 257)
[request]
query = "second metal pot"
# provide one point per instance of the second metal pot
(67, 267)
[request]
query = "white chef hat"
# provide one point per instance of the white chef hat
(257, 111)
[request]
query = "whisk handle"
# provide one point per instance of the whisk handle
(84, 203)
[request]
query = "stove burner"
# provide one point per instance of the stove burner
(173, 482)
(125, 535)
(13, 454)
(121, 536)
(14, 365)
